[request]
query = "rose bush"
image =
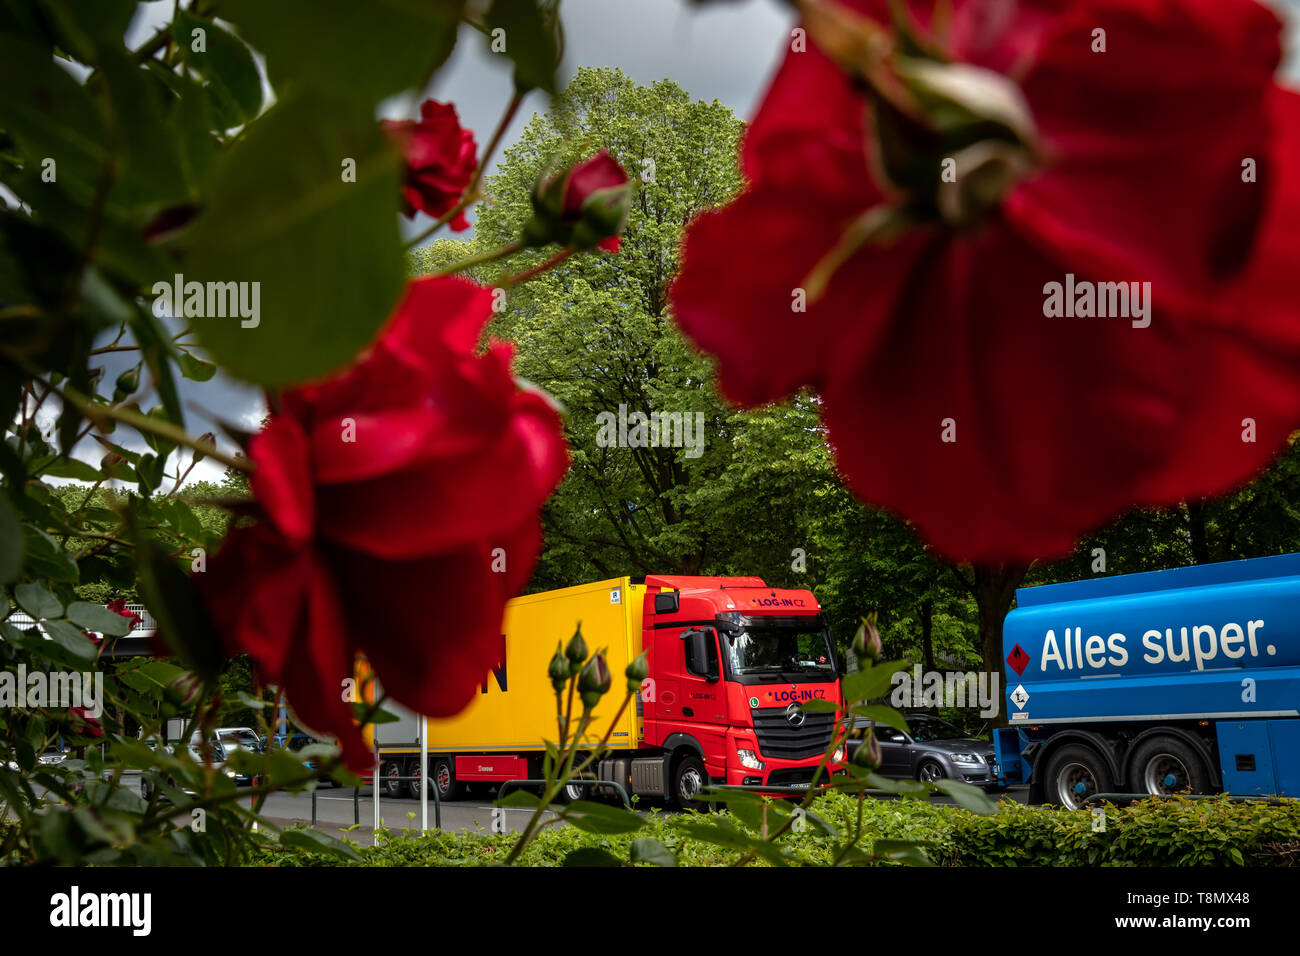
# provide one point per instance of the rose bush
(398, 477)
(949, 395)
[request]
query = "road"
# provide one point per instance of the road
(337, 812)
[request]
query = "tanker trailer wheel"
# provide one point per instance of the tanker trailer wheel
(1074, 773)
(689, 780)
(1165, 764)
(392, 786)
(443, 772)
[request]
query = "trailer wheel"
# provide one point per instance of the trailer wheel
(413, 786)
(689, 779)
(392, 786)
(443, 772)
(1074, 773)
(1164, 765)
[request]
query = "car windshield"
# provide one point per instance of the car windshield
(757, 650)
(242, 741)
(931, 728)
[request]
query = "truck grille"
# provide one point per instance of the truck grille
(793, 776)
(779, 739)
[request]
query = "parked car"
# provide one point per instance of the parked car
(196, 754)
(295, 742)
(932, 749)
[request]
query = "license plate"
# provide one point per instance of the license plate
(800, 786)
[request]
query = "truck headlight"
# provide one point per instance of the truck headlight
(749, 759)
(969, 759)
(839, 755)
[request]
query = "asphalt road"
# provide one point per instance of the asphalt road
(335, 810)
(337, 813)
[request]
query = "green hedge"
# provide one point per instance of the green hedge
(1152, 833)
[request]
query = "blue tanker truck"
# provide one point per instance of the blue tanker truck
(1179, 681)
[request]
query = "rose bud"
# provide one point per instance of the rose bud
(126, 383)
(868, 753)
(594, 681)
(636, 672)
(559, 669)
(585, 208)
(576, 651)
(184, 690)
(208, 440)
(866, 643)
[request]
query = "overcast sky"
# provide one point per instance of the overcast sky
(724, 51)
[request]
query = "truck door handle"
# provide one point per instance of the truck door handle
(687, 712)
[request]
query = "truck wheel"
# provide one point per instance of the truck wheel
(689, 779)
(413, 786)
(930, 771)
(1165, 764)
(1074, 773)
(392, 786)
(443, 772)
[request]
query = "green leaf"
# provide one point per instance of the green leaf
(179, 611)
(881, 715)
(357, 51)
(901, 851)
(600, 818)
(11, 542)
(50, 116)
(530, 41)
(871, 683)
(226, 64)
(96, 617)
(317, 842)
(37, 601)
(281, 216)
(71, 639)
(649, 850)
(520, 798)
(591, 856)
(195, 369)
(46, 559)
(966, 796)
(361, 711)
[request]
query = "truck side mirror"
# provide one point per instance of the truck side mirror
(697, 653)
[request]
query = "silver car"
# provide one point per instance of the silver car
(933, 749)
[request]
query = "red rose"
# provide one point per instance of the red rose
(385, 491)
(440, 161)
(585, 207)
(118, 606)
(940, 332)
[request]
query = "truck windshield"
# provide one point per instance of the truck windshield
(757, 649)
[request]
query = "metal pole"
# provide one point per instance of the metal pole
(374, 792)
(424, 775)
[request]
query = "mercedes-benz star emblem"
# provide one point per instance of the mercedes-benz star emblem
(794, 713)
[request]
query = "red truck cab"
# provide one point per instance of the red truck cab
(731, 662)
